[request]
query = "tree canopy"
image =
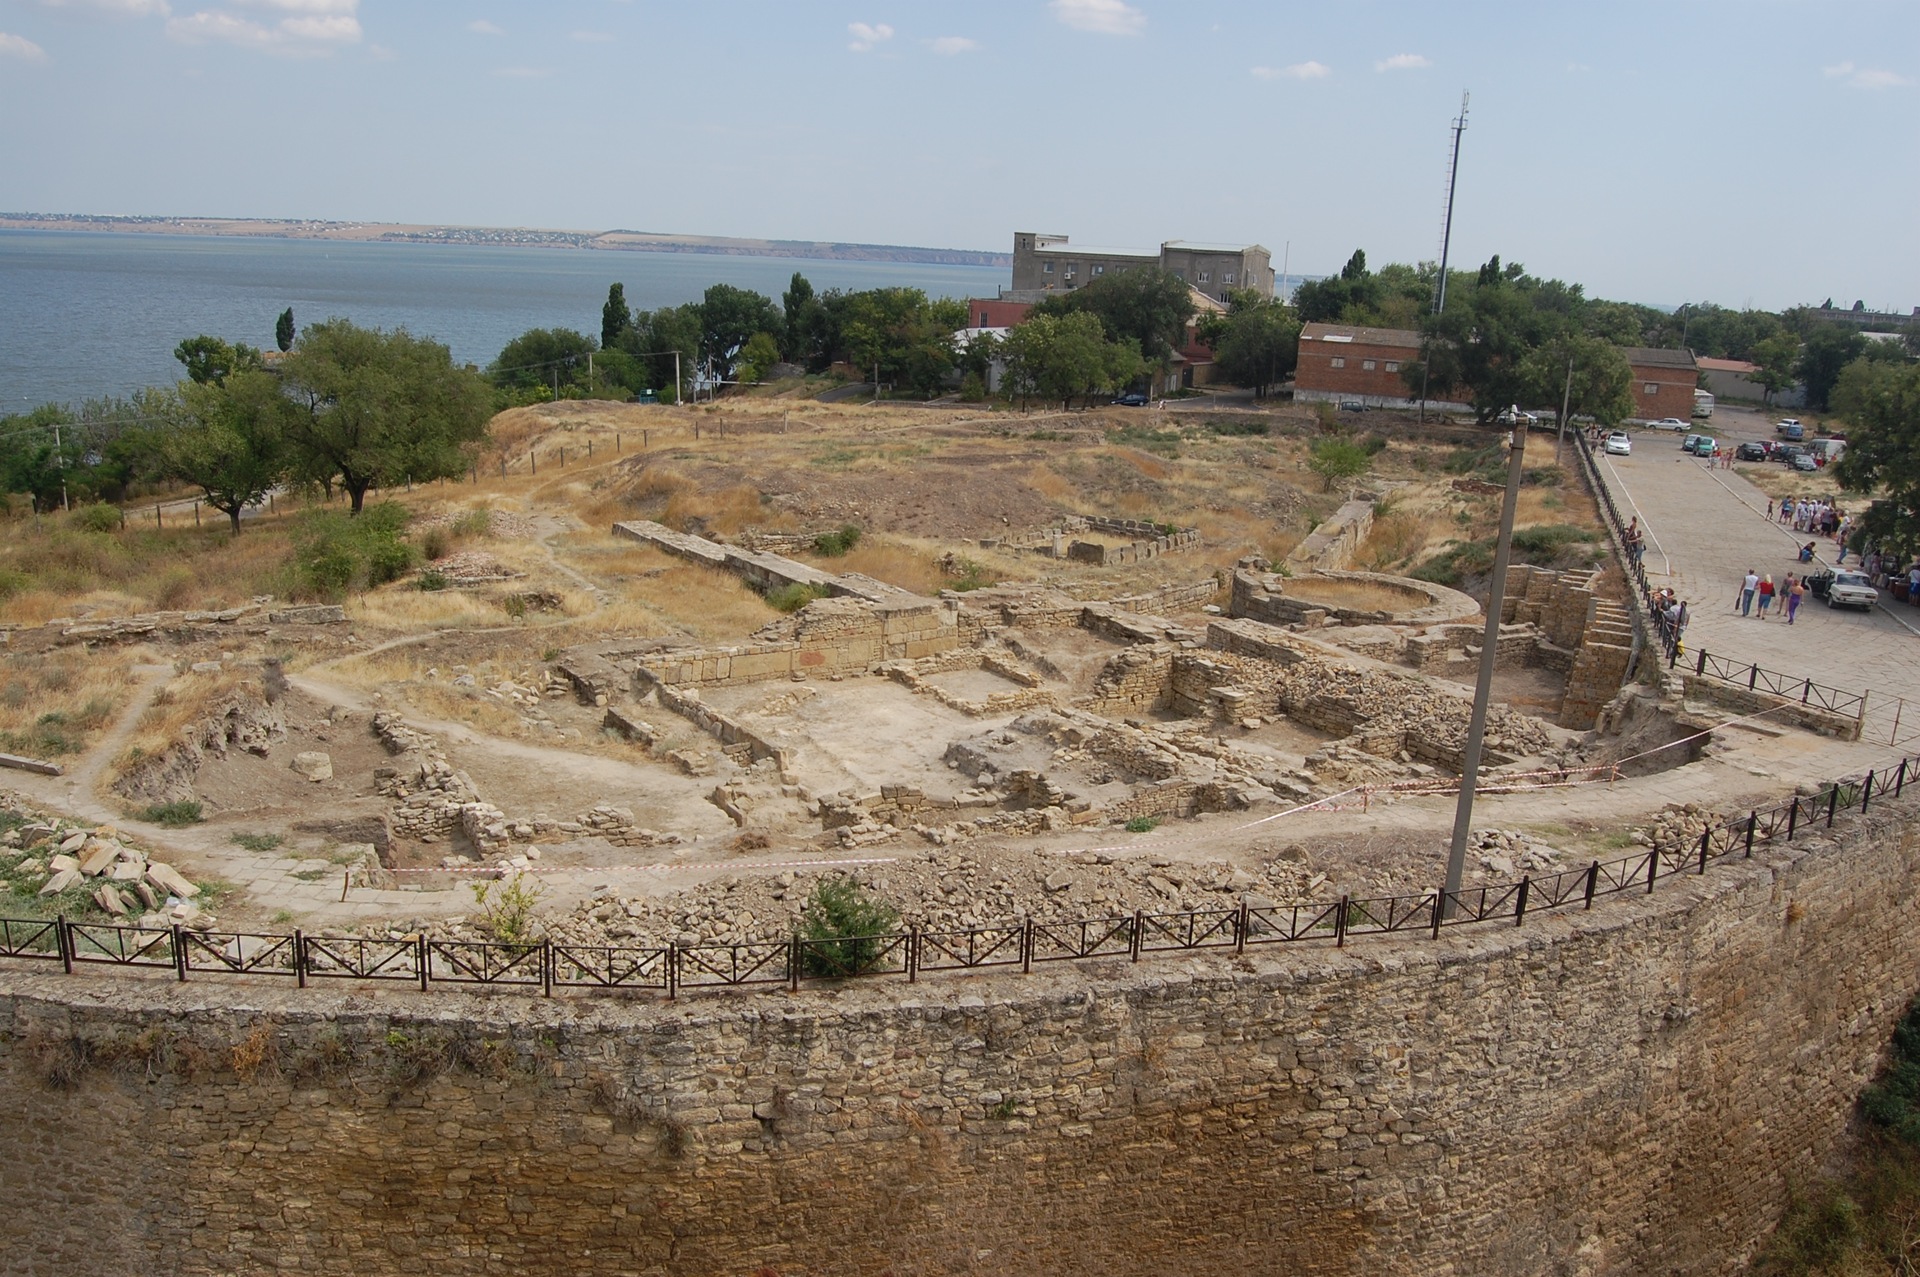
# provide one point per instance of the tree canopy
(230, 440)
(283, 330)
(209, 359)
(1881, 403)
(1067, 356)
(1255, 344)
(542, 357)
(615, 318)
(1827, 349)
(379, 408)
(1144, 305)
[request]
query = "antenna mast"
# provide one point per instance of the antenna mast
(1446, 226)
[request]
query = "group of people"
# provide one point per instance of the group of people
(1636, 541)
(1816, 515)
(1756, 588)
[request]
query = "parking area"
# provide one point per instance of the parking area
(1706, 528)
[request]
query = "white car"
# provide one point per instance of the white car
(1618, 444)
(1668, 423)
(1850, 589)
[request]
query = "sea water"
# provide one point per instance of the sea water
(86, 315)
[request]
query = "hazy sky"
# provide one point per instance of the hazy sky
(1758, 152)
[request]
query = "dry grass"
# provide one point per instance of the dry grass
(1352, 594)
(1785, 483)
(185, 700)
(57, 703)
(403, 607)
(1397, 539)
(895, 561)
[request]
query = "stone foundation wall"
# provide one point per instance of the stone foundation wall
(1599, 1094)
(1333, 544)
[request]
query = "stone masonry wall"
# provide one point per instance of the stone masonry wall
(1623, 1091)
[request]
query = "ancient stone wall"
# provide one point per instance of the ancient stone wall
(1333, 544)
(1623, 1091)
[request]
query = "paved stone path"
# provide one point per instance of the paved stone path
(1706, 528)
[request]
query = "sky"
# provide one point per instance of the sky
(1745, 152)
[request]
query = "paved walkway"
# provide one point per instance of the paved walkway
(1706, 528)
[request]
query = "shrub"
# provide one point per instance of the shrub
(831, 545)
(258, 842)
(335, 553)
(474, 523)
(515, 606)
(843, 924)
(433, 579)
(12, 583)
(1238, 426)
(793, 597)
(1142, 825)
(435, 544)
(973, 390)
(1337, 459)
(174, 815)
(506, 907)
(99, 517)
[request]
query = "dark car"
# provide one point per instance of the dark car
(1134, 399)
(1749, 452)
(1785, 453)
(1352, 405)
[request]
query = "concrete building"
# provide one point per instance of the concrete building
(1049, 263)
(1342, 362)
(1663, 382)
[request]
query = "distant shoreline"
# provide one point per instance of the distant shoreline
(504, 237)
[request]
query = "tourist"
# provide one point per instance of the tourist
(1795, 590)
(1750, 583)
(1766, 594)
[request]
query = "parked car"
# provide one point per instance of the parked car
(1667, 423)
(1850, 589)
(1352, 405)
(1791, 430)
(1785, 453)
(1702, 445)
(1806, 461)
(1686, 444)
(1133, 399)
(1749, 452)
(1618, 444)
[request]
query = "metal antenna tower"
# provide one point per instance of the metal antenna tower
(1446, 225)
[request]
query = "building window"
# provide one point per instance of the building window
(1100, 270)
(1366, 365)
(1650, 388)
(1227, 278)
(1338, 361)
(1206, 277)
(1047, 269)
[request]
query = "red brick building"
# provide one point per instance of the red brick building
(1663, 382)
(1338, 361)
(992, 312)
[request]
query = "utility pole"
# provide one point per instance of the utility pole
(1483, 686)
(1446, 244)
(60, 459)
(1286, 260)
(1566, 399)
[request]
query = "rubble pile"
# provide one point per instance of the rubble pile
(43, 857)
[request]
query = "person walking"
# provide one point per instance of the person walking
(1766, 594)
(1795, 591)
(1748, 586)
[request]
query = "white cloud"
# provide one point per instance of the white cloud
(1298, 71)
(311, 27)
(125, 8)
(1107, 17)
(865, 37)
(594, 37)
(480, 26)
(1402, 62)
(952, 44)
(18, 46)
(1864, 77)
(381, 53)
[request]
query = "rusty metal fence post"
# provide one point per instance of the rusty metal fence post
(1520, 907)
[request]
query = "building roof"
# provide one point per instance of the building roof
(1082, 250)
(1651, 357)
(1727, 365)
(1347, 335)
(1203, 301)
(1195, 246)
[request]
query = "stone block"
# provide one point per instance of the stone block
(313, 764)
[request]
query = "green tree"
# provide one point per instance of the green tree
(542, 357)
(378, 408)
(1338, 459)
(803, 312)
(1778, 358)
(283, 332)
(729, 317)
(230, 442)
(615, 318)
(1257, 343)
(1828, 349)
(1146, 306)
(1479, 346)
(651, 341)
(1881, 403)
(1601, 385)
(908, 338)
(1066, 357)
(842, 926)
(209, 359)
(759, 354)
(35, 459)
